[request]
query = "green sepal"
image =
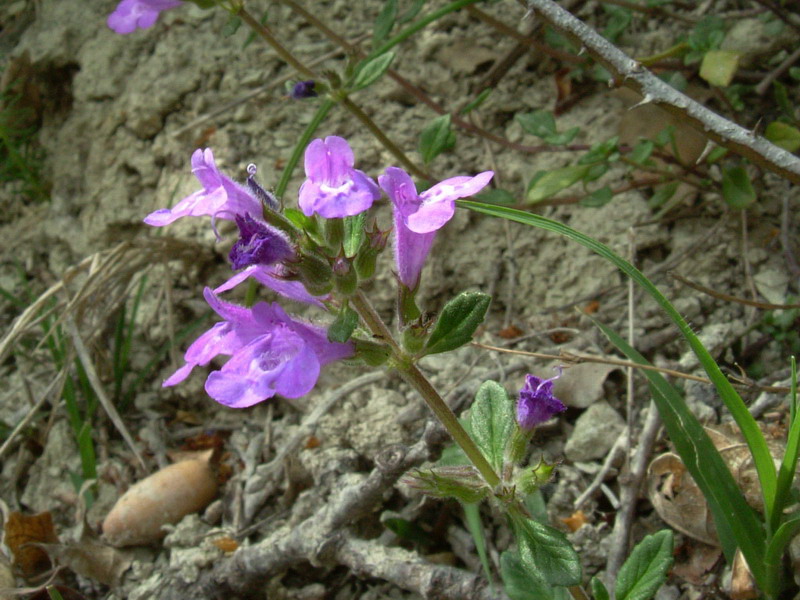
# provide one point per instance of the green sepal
(353, 234)
(315, 273)
(406, 304)
(414, 336)
(532, 478)
(344, 325)
(462, 482)
(205, 4)
(345, 278)
(457, 322)
(374, 354)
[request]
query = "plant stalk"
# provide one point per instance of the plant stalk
(414, 377)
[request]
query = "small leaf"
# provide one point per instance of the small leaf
(481, 98)
(663, 194)
(598, 198)
(783, 135)
(646, 568)
(547, 551)
(371, 70)
(641, 152)
(492, 421)
(522, 583)
(412, 11)
(719, 67)
(344, 325)
(552, 182)
(459, 319)
(736, 188)
(600, 152)
(407, 530)
(599, 590)
(384, 22)
(540, 123)
(619, 20)
(436, 138)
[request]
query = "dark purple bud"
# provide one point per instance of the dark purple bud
(303, 89)
(537, 404)
(259, 244)
(259, 192)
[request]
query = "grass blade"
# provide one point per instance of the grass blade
(747, 424)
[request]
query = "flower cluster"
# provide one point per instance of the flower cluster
(270, 351)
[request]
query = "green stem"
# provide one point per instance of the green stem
(417, 25)
(267, 36)
(300, 147)
(387, 143)
(414, 377)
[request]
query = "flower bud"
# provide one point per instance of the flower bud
(462, 482)
(315, 273)
(345, 276)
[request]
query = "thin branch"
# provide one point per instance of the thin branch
(632, 74)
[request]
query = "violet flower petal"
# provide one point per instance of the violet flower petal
(438, 205)
(270, 277)
(132, 14)
(334, 189)
(259, 244)
(220, 197)
(536, 403)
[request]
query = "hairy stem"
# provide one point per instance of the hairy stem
(415, 378)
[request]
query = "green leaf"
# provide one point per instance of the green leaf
(353, 234)
(737, 523)
(551, 182)
(472, 518)
(407, 530)
(369, 71)
(783, 135)
(743, 525)
(546, 551)
(619, 21)
(599, 590)
(53, 593)
(458, 321)
(492, 421)
(642, 151)
(542, 124)
(480, 99)
(521, 583)
(598, 198)
(384, 22)
(782, 99)
(646, 568)
(231, 26)
(600, 152)
(664, 193)
(412, 11)
(737, 190)
(719, 67)
(344, 325)
(436, 138)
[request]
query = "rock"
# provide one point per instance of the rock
(595, 432)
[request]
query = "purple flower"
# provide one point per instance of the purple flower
(334, 188)
(272, 277)
(304, 89)
(221, 197)
(131, 14)
(536, 403)
(259, 244)
(417, 217)
(271, 353)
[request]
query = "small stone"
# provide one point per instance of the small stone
(595, 432)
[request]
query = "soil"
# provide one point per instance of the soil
(118, 119)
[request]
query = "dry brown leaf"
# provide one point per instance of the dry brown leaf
(23, 534)
(575, 521)
(93, 559)
(701, 559)
(678, 500)
(226, 544)
(742, 585)
(509, 333)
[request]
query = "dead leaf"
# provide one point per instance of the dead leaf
(510, 332)
(701, 559)
(742, 585)
(23, 534)
(575, 521)
(91, 558)
(226, 544)
(581, 385)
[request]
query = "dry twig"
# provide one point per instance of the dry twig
(633, 75)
